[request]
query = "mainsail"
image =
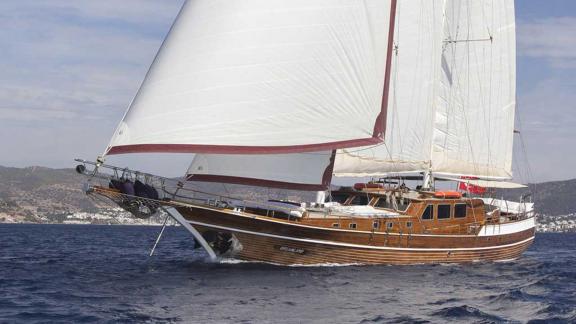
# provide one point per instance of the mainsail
(415, 70)
(462, 124)
(474, 123)
(265, 76)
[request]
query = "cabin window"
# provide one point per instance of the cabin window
(335, 225)
(444, 211)
(409, 224)
(389, 225)
(376, 225)
(383, 203)
(359, 200)
(427, 214)
(339, 197)
(459, 210)
(402, 204)
(352, 225)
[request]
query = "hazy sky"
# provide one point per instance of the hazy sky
(69, 68)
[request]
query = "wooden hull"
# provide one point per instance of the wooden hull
(290, 243)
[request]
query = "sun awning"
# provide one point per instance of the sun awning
(487, 183)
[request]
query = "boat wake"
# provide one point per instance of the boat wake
(317, 265)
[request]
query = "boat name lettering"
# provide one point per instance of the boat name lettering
(291, 249)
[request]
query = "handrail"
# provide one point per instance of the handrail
(176, 183)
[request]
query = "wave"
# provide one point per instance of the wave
(468, 313)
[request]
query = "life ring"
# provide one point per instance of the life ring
(447, 194)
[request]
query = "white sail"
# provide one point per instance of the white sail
(299, 171)
(459, 121)
(415, 69)
(264, 76)
(474, 122)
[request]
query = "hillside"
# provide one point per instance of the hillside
(36, 193)
(44, 195)
(551, 198)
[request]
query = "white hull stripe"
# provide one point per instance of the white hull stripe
(360, 246)
(329, 229)
(507, 228)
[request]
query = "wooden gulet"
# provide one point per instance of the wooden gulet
(370, 226)
(262, 101)
(430, 230)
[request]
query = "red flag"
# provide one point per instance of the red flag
(473, 189)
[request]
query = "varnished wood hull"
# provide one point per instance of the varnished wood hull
(288, 243)
(289, 252)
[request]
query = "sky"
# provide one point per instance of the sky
(69, 69)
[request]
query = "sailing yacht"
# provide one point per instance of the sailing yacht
(290, 94)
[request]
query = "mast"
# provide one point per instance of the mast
(428, 180)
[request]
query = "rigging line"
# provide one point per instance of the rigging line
(490, 91)
(468, 136)
(344, 151)
(436, 90)
(521, 176)
(466, 120)
(484, 17)
(464, 99)
(226, 188)
(365, 149)
(530, 175)
(395, 102)
(449, 41)
(457, 95)
(455, 15)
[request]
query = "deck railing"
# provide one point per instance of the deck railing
(171, 191)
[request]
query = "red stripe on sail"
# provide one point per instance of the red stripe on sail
(255, 182)
(326, 180)
(230, 149)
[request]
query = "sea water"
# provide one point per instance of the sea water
(85, 273)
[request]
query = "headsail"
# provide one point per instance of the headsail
(263, 77)
(301, 171)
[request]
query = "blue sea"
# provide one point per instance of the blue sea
(85, 274)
